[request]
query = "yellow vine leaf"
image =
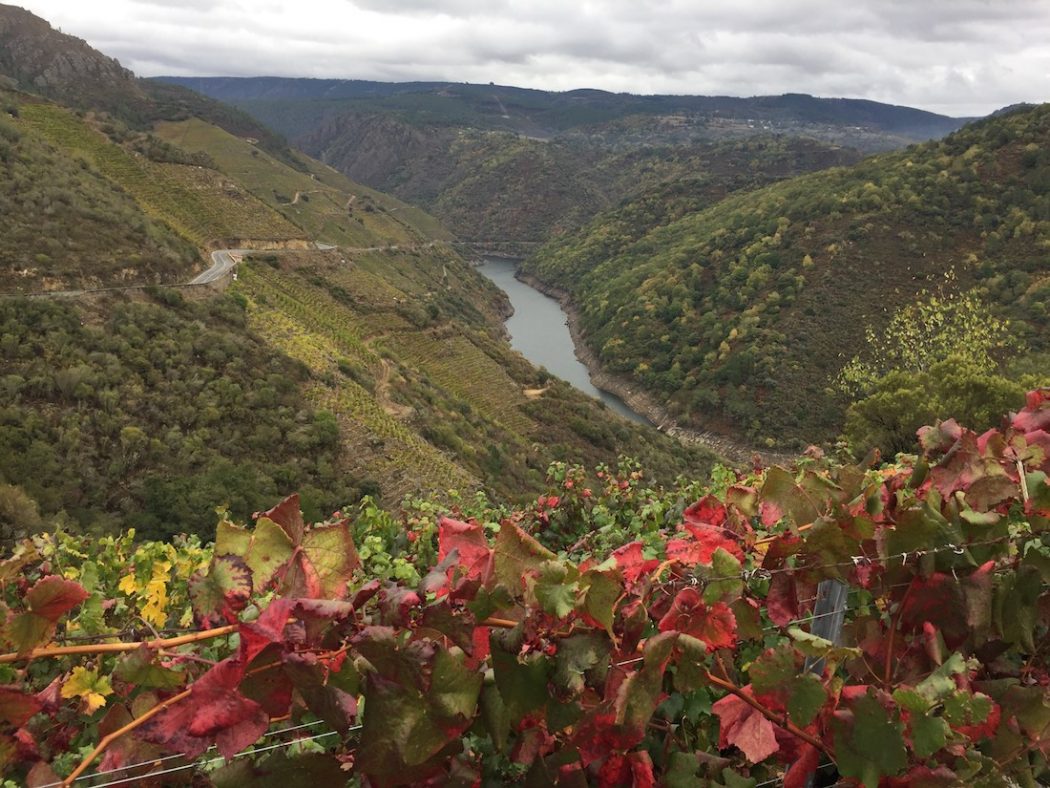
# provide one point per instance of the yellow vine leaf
(155, 611)
(128, 585)
(87, 685)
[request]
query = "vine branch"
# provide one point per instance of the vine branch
(112, 737)
(117, 648)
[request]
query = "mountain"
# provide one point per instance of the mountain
(496, 163)
(740, 315)
(540, 112)
(36, 58)
(354, 353)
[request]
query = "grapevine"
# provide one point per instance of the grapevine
(674, 646)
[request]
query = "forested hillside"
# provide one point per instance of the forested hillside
(63, 224)
(498, 163)
(356, 353)
(742, 315)
(496, 186)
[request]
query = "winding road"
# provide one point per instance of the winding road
(222, 262)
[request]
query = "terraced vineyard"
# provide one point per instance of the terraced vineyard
(327, 205)
(280, 313)
(200, 204)
(311, 307)
(458, 365)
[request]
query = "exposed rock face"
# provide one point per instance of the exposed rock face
(385, 153)
(43, 60)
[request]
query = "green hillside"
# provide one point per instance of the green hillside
(62, 223)
(326, 205)
(490, 185)
(420, 380)
(741, 315)
(355, 353)
(293, 106)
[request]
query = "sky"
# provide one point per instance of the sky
(956, 57)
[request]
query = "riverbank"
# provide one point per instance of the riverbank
(642, 402)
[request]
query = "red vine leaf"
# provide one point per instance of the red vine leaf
(16, 707)
(289, 516)
(804, 767)
(468, 539)
(708, 510)
(214, 713)
(632, 563)
(714, 625)
(782, 599)
(53, 596)
(743, 727)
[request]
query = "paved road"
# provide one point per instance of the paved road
(222, 260)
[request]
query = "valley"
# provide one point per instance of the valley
(366, 434)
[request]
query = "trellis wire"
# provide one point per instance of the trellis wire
(163, 758)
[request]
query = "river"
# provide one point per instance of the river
(539, 331)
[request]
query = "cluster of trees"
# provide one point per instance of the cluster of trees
(61, 222)
(148, 416)
(744, 313)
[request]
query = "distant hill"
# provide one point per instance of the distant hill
(512, 164)
(36, 58)
(739, 315)
(540, 112)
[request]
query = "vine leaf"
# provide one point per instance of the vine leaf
(632, 563)
(431, 694)
(743, 727)
(578, 654)
(642, 692)
(53, 596)
(804, 767)
(222, 593)
(873, 746)
(215, 711)
(48, 600)
(269, 550)
(314, 562)
(516, 555)
(16, 707)
(331, 553)
(139, 667)
(556, 588)
(715, 625)
(602, 592)
(470, 545)
(91, 688)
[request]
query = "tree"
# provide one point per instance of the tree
(920, 335)
(903, 401)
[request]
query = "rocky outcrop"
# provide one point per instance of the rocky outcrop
(50, 63)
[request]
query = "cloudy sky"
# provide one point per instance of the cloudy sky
(958, 57)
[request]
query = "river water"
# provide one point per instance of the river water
(539, 330)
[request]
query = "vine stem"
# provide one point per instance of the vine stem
(116, 648)
(499, 623)
(776, 719)
(112, 737)
(887, 675)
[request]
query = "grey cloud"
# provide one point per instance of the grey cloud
(956, 56)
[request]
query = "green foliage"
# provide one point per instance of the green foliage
(930, 330)
(508, 663)
(162, 411)
(740, 314)
(897, 404)
(62, 223)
